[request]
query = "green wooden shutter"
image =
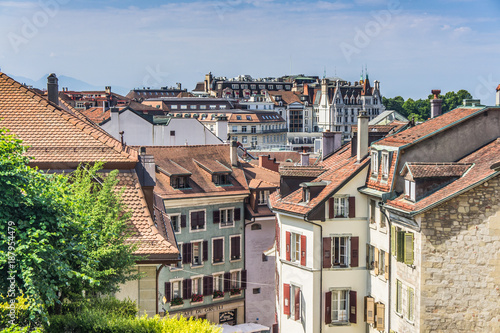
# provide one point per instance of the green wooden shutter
(399, 296)
(400, 240)
(393, 240)
(408, 244)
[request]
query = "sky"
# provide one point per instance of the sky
(410, 46)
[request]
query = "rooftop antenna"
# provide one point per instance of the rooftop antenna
(324, 72)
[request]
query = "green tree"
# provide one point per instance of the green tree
(59, 234)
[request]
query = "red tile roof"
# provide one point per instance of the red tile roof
(96, 114)
(481, 161)
(258, 177)
(427, 128)
(340, 167)
(190, 158)
(301, 171)
(428, 170)
(288, 97)
(56, 137)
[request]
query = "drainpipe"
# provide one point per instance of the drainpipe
(382, 210)
(321, 274)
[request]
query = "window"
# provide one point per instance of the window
(235, 86)
(234, 129)
(238, 117)
(222, 107)
(176, 289)
(243, 129)
(235, 247)
(196, 259)
(173, 107)
(221, 179)
(402, 244)
(340, 251)
(218, 282)
(244, 139)
(176, 223)
(198, 220)
(405, 301)
(203, 107)
(341, 207)
(410, 190)
(385, 164)
(340, 304)
(373, 204)
(249, 117)
(256, 290)
(213, 107)
(183, 107)
(179, 182)
(253, 129)
(264, 257)
(192, 107)
(295, 302)
(410, 304)
(234, 138)
(295, 247)
(381, 262)
(196, 287)
(370, 257)
(218, 250)
(263, 197)
(254, 141)
(374, 162)
(256, 226)
(226, 217)
(399, 297)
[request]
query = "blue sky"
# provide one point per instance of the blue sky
(410, 46)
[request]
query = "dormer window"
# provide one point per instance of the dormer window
(263, 197)
(306, 194)
(374, 161)
(410, 189)
(221, 179)
(179, 182)
(385, 164)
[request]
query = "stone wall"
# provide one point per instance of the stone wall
(461, 263)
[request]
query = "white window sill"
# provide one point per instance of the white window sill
(197, 266)
(339, 324)
(373, 225)
(235, 260)
(383, 230)
(218, 263)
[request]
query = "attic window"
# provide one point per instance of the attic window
(410, 189)
(179, 182)
(221, 179)
(306, 194)
(238, 117)
(374, 161)
(385, 164)
(249, 117)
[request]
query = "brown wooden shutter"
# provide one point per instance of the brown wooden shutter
(354, 251)
(227, 281)
(218, 250)
(297, 303)
(352, 207)
(183, 221)
(186, 250)
(244, 279)
(275, 328)
(352, 306)
(216, 216)
(327, 252)
(201, 219)
(375, 266)
(380, 316)
(205, 250)
(194, 221)
(369, 310)
(331, 203)
(286, 299)
(206, 286)
(186, 288)
(237, 214)
(235, 248)
(328, 308)
(386, 268)
(167, 291)
(288, 241)
(303, 250)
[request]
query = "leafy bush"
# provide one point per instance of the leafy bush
(109, 305)
(18, 329)
(21, 312)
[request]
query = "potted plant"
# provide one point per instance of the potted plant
(196, 298)
(176, 301)
(235, 291)
(218, 294)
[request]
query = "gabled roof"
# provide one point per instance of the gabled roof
(212, 157)
(301, 171)
(288, 97)
(418, 170)
(340, 168)
(481, 170)
(170, 168)
(57, 138)
(259, 177)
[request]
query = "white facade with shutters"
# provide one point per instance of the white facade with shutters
(329, 274)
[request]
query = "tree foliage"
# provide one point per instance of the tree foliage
(421, 108)
(59, 234)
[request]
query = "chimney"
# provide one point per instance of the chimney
(304, 159)
(234, 153)
(53, 88)
(324, 87)
(362, 144)
(221, 128)
(498, 96)
(436, 104)
(330, 143)
(265, 161)
(179, 85)
(107, 89)
(145, 170)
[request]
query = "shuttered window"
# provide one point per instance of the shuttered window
(369, 310)
(399, 297)
(198, 220)
(380, 316)
(286, 299)
(408, 248)
(235, 247)
(411, 299)
(218, 250)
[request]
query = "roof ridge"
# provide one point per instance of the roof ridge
(258, 166)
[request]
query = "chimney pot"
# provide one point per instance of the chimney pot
(436, 104)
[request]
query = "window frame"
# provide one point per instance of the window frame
(385, 162)
(191, 230)
(374, 162)
(200, 255)
(293, 288)
(177, 216)
(338, 208)
(218, 278)
(345, 315)
(231, 248)
(198, 280)
(295, 246)
(223, 251)
(172, 282)
(347, 255)
(263, 197)
(221, 215)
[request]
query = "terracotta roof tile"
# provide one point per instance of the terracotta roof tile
(428, 170)
(53, 134)
(258, 177)
(301, 171)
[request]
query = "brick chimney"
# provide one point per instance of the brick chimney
(362, 144)
(265, 161)
(436, 104)
(53, 88)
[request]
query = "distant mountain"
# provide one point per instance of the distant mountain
(67, 82)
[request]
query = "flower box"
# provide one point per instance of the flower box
(176, 301)
(218, 294)
(196, 298)
(235, 291)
